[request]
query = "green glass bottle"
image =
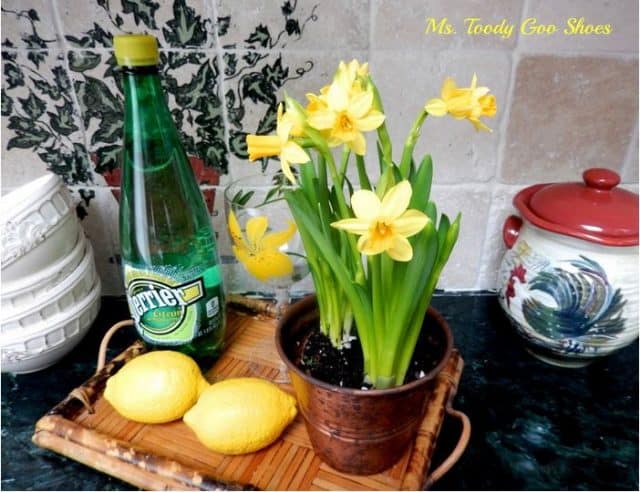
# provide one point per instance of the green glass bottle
(171, 269)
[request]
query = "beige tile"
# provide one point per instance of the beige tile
(92, 23)
(407, 79)
(311, 25)
(401, 24)
(494, 247)
(28, 24)
(461, 271)
(41, 127)
(99, 213)
(569, 114)
(630, 171)
(573, 35)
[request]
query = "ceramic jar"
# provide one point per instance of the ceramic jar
(569, 279)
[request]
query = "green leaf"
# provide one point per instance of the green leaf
(51, 155)
(7, 104)
(92, 38)
(275, 75)
(268, 122)
(201, 86)
(255, 87)
(211, 115)
(108, 158)
(186, 28)
(252, 58)
(62, 120)
(241, 198)
(45, 88)
(36, 57)
(223, 25)
(97, 100)
(432, 211)
(142, 10)
(230, 63)
(80, 62)
(421, 184)
(61, 79)
(260, 35)
(20, 124)
(13, 75)
(109, 130)
(292, 27)
(33, 105)
(28, 139)
(238, 144)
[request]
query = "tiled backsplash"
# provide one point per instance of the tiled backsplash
(565, 103)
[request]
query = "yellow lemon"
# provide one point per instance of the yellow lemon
(156, 387)
(241, 415)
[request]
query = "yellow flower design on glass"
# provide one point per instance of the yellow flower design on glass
(464, 103)
(259, 252)
(384, 225)
(280, 145)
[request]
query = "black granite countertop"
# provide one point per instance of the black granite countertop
(534, 426)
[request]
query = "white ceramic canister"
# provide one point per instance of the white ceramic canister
(569, 279)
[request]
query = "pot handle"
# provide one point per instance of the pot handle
(453, 458)
(511, 230)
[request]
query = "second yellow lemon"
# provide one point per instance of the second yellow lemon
(156, 387)
(241, 415)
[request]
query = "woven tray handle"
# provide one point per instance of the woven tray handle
(104, 344)
(455, 455)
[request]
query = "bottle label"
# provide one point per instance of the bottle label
(170, 311)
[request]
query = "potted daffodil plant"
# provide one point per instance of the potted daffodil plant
(375, 252)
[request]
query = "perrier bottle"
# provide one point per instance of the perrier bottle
(171, 269)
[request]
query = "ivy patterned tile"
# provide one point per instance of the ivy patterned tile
(190, 81)
(28, 24)
(256, 82)
(293, 24)
(178, 24)
(98, 209)
(41, 128)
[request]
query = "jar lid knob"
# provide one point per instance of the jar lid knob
(601, 178)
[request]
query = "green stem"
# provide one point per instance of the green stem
(383, 134)
(343, 164)
(365, 184)
(410, 143)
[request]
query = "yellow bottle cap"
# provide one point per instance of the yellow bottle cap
(136, 50)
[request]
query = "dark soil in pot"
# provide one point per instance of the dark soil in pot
(355, 431)
(345, 367)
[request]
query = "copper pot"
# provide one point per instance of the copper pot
(355, 431)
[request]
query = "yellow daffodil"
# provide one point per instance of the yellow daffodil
(348, 74)
(295, 115)
(464, 103)
(260, 146)
(343, 114)
(384, 225)
(259, 252)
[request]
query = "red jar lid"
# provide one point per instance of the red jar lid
(595, 210)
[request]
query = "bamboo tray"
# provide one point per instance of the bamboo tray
(86, 428)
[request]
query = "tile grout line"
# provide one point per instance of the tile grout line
(57, 22)
(222, 84)
(628, 161)
(372, 18)
(504, 125)
(621, 55)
